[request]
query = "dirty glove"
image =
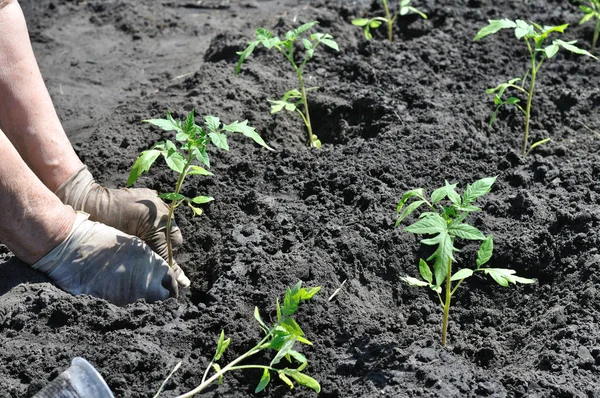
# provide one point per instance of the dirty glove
(139, 212)
(104, 262)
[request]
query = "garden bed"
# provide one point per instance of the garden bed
(391, 116)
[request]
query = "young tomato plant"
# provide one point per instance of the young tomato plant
(534, 36)
(591, 10)
(292, 100)
(446, 223)
(194, 141)
(373, 23)
(281, 338)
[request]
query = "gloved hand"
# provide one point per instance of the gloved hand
(139, 212)
(104, 262)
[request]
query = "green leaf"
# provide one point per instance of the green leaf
(430, 223)
(219, 140)
(283, 351)
(292, 327)
(142, 163)
(197, 211)
(417, 11)
(189, 123)
(260, 321)
(551, 50)
(465, 231)
(171, 196)
(409, 209)
(586, 17)
(303, 379)
(461, 274)
(201, 155)
(504, 276)
(222, 345)
(485, 251)
(175, 160)
(264, 381)
(307, 44)
(165, 124)
(523, 29)
(197, 170)
(546, 30)
(478, 189)
(248, 131)
(212, 123)
(279, 105)
(245, 54)
(512, 100)
(438, 195)
(303, 28)
(568, 45)
(414, 281)
(202, 199)
(425, 271)
(494, 26)
(285, 379)
(300, 358)
(217, 369)
(360, 22)
(326, 39)
(407, 195)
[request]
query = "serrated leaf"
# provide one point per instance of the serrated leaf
(303, 379)
(292, 327)
(212, 123)
(485, 251)
(465, 231)
(165, 124)
(248, 131)
(478, 189)
(431, 223)
(141, 164)
(425, 271)
(222, 345)
(219, 140)
(504, 276)
(494, 26)
(201, 155)
(414, 281)
(523, 29)
(189, 123)
(461, 274)
(408, 211)
(264, 381)
(197, 170)
(277, 106)
(171, 196)
(175, 161)
(568, 45)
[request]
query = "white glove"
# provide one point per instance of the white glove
(104, 262)
(139, 212)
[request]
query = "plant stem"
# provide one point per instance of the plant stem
(305, 103)
(529, 98)
(388, 17)
(172, 207)
(447, 304)
(596, 33)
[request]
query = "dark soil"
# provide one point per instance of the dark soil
(392, 117)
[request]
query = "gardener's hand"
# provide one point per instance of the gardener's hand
(139, 212)
(104, 262)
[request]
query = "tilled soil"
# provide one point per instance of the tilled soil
(392, 116)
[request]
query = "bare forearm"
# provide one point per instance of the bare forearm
(27, 115)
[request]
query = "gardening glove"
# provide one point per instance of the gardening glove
(104, 262)
(139, 212)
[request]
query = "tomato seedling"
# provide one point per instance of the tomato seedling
(281, 338)
(591, 10)
(194, 141)
(534, 36)
(373, 23)
(446, 223)
(292, 100)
